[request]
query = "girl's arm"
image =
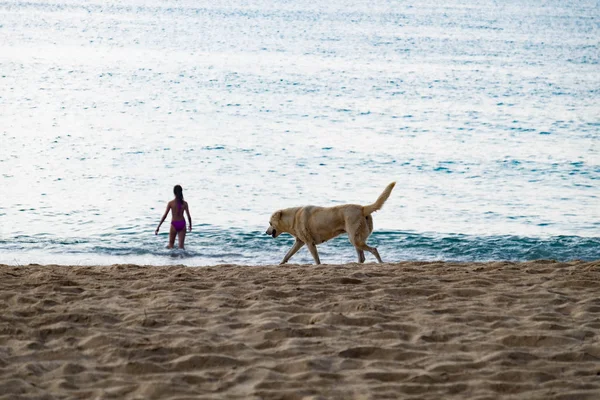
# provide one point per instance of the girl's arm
(187, 210)
(162, 219)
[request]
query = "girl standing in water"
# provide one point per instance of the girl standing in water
(176, 206)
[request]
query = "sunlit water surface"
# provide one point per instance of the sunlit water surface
(485, 114)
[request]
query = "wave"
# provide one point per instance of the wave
(236, 246)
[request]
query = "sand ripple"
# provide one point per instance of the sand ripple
(407, 330)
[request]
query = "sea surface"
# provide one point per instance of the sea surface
(485, 113)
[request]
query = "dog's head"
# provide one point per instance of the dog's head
(274, 228)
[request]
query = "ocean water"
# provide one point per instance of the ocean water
(486, 114)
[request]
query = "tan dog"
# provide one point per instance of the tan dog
(312, 225)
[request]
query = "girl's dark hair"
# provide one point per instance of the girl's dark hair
(178, 193)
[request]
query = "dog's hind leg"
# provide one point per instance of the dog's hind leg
(297, 245)
(313, 250)
(369, 220)
(361, 255)
(370, 249)
(358, 234)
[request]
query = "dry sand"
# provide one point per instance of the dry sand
(407, 330)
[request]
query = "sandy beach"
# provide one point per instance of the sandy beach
(411, 330)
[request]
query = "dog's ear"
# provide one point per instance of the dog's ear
(278, 215)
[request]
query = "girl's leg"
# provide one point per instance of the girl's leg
(172, 234)
(181, 236)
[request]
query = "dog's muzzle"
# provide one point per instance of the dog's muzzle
(271, 231)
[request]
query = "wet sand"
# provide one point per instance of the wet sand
(410, 330)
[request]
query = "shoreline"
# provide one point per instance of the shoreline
(242, 247)
(310, 263)
(413, 329)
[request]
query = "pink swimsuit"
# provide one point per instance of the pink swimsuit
(178, 225)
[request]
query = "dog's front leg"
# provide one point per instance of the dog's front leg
(297, 245)
(313, 250)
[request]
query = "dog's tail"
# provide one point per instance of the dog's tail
(371, 208)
